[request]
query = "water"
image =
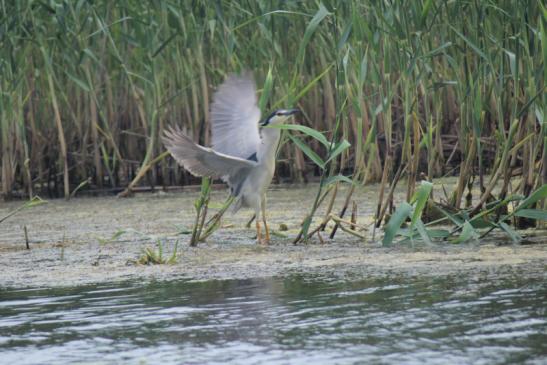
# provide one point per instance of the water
(456, 320)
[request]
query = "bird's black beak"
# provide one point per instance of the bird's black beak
(284, 112)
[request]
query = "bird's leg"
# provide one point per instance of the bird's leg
(266, 228)
(257, 221)
(248, 225)
(258, 234)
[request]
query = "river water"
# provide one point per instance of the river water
(453, 319)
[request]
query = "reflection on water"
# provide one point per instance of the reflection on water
(292, 320)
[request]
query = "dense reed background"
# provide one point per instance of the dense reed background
(417, 87)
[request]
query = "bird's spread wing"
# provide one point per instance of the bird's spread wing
(235, 116)
(201, 161)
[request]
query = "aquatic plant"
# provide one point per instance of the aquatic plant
(202, 227)
(118, 234)
(466, 225)
(35, 201)
(155, 256)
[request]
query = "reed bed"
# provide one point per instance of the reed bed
(420, 89)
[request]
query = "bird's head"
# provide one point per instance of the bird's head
(279, 116)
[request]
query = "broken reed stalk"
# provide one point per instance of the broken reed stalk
(307, 219)
(465, 174)
(142, 172)
(344, 208)
(381, 212)
(353, 215)
(201, 210)
(26, 237)
(321, 227)
(214, 222)
(392, 187)
(329, 207)
(321, 240)
(351, 231)
(204, 211)
(345, 221)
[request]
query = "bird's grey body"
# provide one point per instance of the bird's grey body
(260, 175)
(241, 154)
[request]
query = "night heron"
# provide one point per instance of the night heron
(242, 152)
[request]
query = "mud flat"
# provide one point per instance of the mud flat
(76, 242)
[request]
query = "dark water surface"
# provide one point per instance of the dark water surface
(470, 319)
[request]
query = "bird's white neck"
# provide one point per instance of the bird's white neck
(268, 145)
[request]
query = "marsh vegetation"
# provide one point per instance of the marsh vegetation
(420, 89)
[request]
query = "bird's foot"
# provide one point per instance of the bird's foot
(267, 238)
(259, 238)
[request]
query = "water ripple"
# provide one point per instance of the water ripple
(293, 320)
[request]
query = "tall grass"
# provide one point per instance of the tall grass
(417, 87)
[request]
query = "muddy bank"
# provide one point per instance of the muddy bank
(80, 242)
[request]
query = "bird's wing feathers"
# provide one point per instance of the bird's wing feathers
(235, 116)
(201, 161)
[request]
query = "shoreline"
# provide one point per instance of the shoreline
(80, 242)
(85, 264)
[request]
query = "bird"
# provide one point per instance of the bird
(243, 149)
